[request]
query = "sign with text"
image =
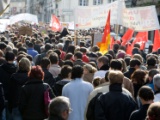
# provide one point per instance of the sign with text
(141, 18)
(95, 16)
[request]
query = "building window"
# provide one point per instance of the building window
(83, 2)
(97, 2)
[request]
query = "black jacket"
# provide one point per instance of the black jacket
(48, 78)
(6, 70)
(129, 72)
(31, 104)
(114, 105)
(2, 99)
(140, 114)
(18, 79)
(55, 117)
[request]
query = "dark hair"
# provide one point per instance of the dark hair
(111, 52)
(153, 112)
(71, 49)
(134, 62)
(30, 45)
(104, 60)
(9, 56)
(53, 58)
(106, 76)
(138, 76)
(68, 56)
(127, 60)
(109, 57)
(116, 64)
(83, 50)
(96, 81)
(68, 62)
(66, 69)
(153, 72)
(151, 61)
(82, 44)
(137, 45)
(36, 73)
(116, 47)
(45, 62)
(58, 52)
(48, 46)
(136, 51)
(22, 49)
(2, 45)
(77, 71)
(146, 93)
(29, 57)
(78, 55)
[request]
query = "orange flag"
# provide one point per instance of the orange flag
(55, 24)
(127, 36)
(112, 43)
(156, 44)
(106, 37)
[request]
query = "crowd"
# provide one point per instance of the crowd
(48, 77)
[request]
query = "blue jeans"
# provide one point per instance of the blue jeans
(16, 115)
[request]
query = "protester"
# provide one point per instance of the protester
(77, 91)
(59, 108)
(116, 104)
(146, 96)
(156, 82)
(78, 59)
(31, 102)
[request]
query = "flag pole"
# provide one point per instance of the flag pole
(4, 9)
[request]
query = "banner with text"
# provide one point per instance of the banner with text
(95, 16)
(140, 18)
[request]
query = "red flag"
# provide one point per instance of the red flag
(106, 36)
(55, 24)
(112, 43)
(156, 44)
(141, 38)
(127, 36)
(129, 49)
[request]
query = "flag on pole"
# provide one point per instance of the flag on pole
(141, 38)
(55, 24)
(156, 44)
(104, 46)
(127, 36)
(4, 4)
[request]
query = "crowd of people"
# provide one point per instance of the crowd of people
(49, 77)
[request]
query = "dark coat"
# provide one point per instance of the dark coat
(114, 105)
(6, 70)
(79, 62)
(48, 78)
(2, 99)
(31, 104)
(18, 79)
(129, 73)
(140, 114)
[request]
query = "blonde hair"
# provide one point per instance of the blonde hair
(24, 64)
(115, 76)
(90, 68)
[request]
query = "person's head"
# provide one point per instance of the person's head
(127, 60)
(60, 46)
(3, 46)
(95, 48)
(96, 81)
(53, 58)
(146, 95)
(115, 47)
(115, 77)
(152, 73)
(139, 77)
(103, 60)
(153, 112)
(111, 52)
(60, 106)
(45, 63)
(78, 55)
(48, 46)
(83, 50)
(30, 45)
(151, 61)
(66, 72)
(24, 65)
(68, 62)
(124, 66)
(156, 82)
(139, 57)
(106, 76)
(71, 49)
(68, 56)
(82, 44)
(87, 68)
(116, 64)
(77, 72)
(134, 63)
(9, 56)
(136, 51)
(36, 73)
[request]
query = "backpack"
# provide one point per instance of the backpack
(46, 99)
(91, 108)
